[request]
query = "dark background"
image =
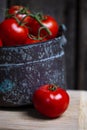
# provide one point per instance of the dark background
(72, 13)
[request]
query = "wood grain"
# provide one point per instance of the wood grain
(27, 118)
(83, 111)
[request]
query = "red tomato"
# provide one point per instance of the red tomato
(11, 33)
(30, 41)
(20, 12)
(1, 43)
(50, 100)
(48, 22)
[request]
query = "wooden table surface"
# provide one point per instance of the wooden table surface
(27, 118)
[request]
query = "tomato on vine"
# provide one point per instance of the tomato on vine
(47, 27)
(19, 12)
(20, 26)
(51, 100)
(12, 33)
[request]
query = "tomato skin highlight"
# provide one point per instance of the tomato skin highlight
(13, 34)
(50, 103)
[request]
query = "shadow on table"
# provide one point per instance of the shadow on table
(27, 110)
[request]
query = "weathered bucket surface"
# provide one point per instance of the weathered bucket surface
(25, 68)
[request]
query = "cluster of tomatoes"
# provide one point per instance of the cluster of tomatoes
(20, 27)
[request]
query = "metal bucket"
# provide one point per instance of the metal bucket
(25, 68)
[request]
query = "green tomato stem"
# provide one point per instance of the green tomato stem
(39, 21)
(52, 87)
(18, 21)
(37, 17)
(22, 10)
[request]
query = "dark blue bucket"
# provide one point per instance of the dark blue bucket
(25, 68)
